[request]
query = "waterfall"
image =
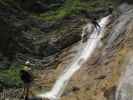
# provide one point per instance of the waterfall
(85, 54)
(125, 87)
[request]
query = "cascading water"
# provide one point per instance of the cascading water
(122, 23)
(125, 88)
(85, 54)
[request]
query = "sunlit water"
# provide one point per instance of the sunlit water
(85, 54)
(125, 87)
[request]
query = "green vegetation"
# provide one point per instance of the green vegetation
(74, 7)
(10, 77)
(68, 8)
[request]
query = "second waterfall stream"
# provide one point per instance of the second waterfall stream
(85, 54)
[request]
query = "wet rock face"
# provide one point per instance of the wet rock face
(25, 34)
(39, 6)
(35, 6)
(4, 36)
(36, 38)
(29, 35)
(99, 80)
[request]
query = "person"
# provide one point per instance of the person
(95, 23)
(89, 28)
(27, 79)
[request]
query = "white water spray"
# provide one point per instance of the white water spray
(86, 53)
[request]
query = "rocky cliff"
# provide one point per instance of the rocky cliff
(100, 76)
(47, 33)
(39, 30)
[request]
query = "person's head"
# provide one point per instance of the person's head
(27, 62)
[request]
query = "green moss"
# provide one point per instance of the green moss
(74, 7)
(69, 7)
(10, 77)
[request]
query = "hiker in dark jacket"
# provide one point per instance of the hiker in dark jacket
(27, 79)
(95, 23)
(89, 29)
